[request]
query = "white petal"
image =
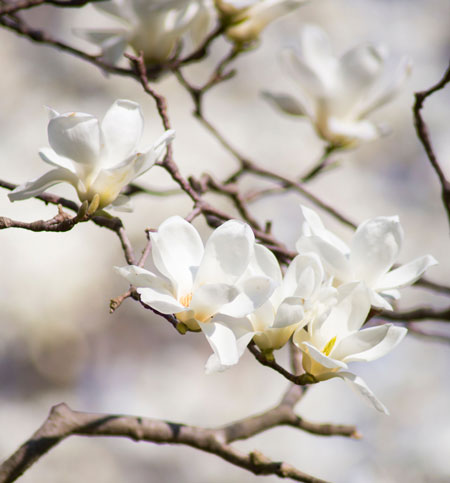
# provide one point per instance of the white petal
(387, 92)
(254, 292)
(351, 130)
(122, 129)
(379, 301)
(139, 277)
(160, 300)
(227, 254)
(209, 299)
(50, 157)
(243, 337)
(369, 344)
(177, 250)
(112, 42)
(375, 247)
(360, 387)
(263, 263)
(289, 312)
(286, 103)
(303, 276)
(359, 70)
(123, 204)
(334, 261)
(406, 274)
(222, 341)
(39, 185)
(321, 358)
(317, 228)
(76, 136)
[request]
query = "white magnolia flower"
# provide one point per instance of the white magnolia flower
(95, 158)
(329, 344)
(300, 296)
(373, 251)
(337, 93)
(246, 20)
(197, 283)
(154, 26)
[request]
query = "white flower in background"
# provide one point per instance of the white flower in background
(329, 344)
(154, 26)
(338, 93)
(198, 282)
(301, 295)
(247, 19)
(95, 158)
(373, 251)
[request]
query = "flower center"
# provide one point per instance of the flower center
(185, 300)
(329, 347)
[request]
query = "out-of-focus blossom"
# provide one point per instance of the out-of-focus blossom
(373, 251)
(300, 296)
(245, 22)
(96, 158)
(198, 283)
(338, 93)
(329, 344)
(154, 26)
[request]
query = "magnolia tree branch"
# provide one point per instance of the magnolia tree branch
(63, 422)
(424, 137)
(27, 4)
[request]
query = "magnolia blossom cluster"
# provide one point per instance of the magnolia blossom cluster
(159, 27)
(338, 93)
(97, 158)
(232, 289)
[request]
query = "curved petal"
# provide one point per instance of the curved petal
(39, 185)
(209, 299)
(160, 300)
(286, 103)
(334, 261)
(359, 70)
(227, 254)
(254, 292)
(348, 131)
(321, 358)
(122, 129)
(406, 274)
(360, 387)
(177, 250)
(304, 276)
(375, 247)
(369, 344)
(77, 136)
(50, 157)
(263, 263)
(139, 277)
(223, 342)
(313, 226)
(112, 42)
(242, 336)
(153, 154)
(378, 301)
(290, 312)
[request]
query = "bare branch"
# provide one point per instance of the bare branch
(423, 135)
(64, 422)
(27, 4)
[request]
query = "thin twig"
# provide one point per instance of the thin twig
(424, 137)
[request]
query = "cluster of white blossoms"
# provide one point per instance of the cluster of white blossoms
(97, 159)
(337, 93)
(232, 289)
(159, 27)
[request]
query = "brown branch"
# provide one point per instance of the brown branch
(41, 37)
(27, 4)
(300, 380)
(415, 330)
(433, 286)
(422, 313)
(64, 422)
(424, 137)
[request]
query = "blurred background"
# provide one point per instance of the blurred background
(59, 343)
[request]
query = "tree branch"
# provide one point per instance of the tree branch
(64, 422)
(424, 137)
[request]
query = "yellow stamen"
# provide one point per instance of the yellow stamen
(185, 300)
(329, 347)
